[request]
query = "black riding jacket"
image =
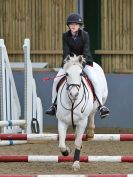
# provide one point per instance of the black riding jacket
(79, 46)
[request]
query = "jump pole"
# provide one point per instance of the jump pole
(69, 137)
(12, 123)
(12, 142)
(59, 159)
(90, 175)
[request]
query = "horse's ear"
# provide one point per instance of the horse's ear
(81, 59)
(67, 58)
(72, 54)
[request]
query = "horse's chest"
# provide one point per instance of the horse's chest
(67, 116)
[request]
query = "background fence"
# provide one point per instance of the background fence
(42, 21)
(117, 35)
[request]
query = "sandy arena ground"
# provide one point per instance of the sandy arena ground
(51, 148)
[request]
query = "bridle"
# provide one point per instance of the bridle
(84, 97)
(73, 85)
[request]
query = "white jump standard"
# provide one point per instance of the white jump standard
(10, 109)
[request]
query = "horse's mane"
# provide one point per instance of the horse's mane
(75, 60)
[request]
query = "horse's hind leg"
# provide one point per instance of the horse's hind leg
(90, 131)
(78, 143)
(62, 129)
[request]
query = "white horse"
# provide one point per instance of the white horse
(75, 102)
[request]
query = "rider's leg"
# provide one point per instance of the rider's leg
(52, 109)
(90, 72)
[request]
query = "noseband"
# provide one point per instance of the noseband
(73, 85)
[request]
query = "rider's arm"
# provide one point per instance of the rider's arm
(86, 49)
(66, 50)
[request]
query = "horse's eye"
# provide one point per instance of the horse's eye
(67, 74)
(81, 74)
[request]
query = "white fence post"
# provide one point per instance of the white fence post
(10, 109)
(27, 85)
(32, 110)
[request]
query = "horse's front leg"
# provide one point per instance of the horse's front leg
(90, 131)
(62, 129)
(80, 129)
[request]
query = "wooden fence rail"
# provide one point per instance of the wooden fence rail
(116, 35)
(42, 21)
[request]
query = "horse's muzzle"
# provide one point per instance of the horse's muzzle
(73, 90)
(74, 96)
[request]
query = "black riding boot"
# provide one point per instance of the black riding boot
(52, 110)
(103, 110)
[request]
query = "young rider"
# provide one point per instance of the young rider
(76, 41)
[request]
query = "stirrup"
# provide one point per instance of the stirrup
(103, 111)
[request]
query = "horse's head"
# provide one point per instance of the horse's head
(73, 69)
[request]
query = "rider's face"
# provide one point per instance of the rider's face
(74, 27)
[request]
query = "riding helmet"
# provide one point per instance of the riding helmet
(74, 18)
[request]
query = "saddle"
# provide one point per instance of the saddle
(60, 83)
(89, 83)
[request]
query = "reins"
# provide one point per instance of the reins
(74, 126)
(83, 96)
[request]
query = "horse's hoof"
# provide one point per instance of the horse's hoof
(90, 134)
(76, 166)
(65, 152)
